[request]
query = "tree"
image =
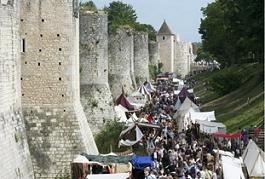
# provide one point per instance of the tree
(109, 137)
(146, 28)
(232, 31)
(120, 14)
(88, 6)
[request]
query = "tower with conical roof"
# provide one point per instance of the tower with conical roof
(166, 40)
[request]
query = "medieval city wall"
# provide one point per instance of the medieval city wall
(141, 57)
(57, 128)
(182, 58)
(96, 97)
(121, 59)
(153, 53)
(14, 151)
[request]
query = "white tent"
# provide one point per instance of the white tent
(149, 86)
(232, 168)
(202, 116)
(212, 127)
(127, 142)
(142, 89)
(80, 159)
(254, 159)
(120, 113)
(187, 103)
(177, 105)
(183, 114)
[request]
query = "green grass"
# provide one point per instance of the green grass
(240, 108)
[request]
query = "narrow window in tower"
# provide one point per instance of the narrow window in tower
(60, 49)
(38, 63)
(42, 20)
(163, 37)
(60, 63)
(60, 79)
(58, 35)
(23, 45)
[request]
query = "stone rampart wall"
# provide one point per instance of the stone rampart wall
(14, 151)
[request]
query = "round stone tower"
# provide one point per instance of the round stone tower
(141, 57)
(153, 53)
(56, 125)
(166, 41)
(121, 59)
(14, 150)
(95, 92)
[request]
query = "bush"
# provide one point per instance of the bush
(109, 137)
(226, 82)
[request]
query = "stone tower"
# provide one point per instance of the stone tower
(121, 65)
(96, 97)
(141, 57)
(153, 53)
(57, 128)
(14, 151)
(166, 41)
(183, 58)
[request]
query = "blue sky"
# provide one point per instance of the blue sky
(182, 16)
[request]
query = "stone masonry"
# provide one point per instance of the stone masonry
(121, 61)
(153, 53)
(57, 128)
(95, 92)
(141, 57)
(14, 151)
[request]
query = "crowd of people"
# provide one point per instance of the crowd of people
(186, 154)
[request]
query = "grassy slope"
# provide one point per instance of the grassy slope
(234, 109)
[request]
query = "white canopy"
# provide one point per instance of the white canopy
(232, 168)
(187, 103)
(179, 81)
(254, 159)
(183, 114)
(81, 159)
(202, 116)
(120, 113)
(212, 127)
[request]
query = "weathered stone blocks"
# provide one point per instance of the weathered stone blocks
(57, 128)
(96, 97)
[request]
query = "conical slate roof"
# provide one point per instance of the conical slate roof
(164, 29)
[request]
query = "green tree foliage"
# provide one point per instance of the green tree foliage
(109, 137)
(232, 31)
(205, 56)
(121, 14)
(153, 71)
(146, 28)
(225, 82)
(88, 6)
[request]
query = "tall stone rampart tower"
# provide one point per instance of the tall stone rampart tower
(57, 128)
(183, 58)
(121, 61)
(154, 57)
(166, 41)
(96, 97)
(141, 57)
(14, 151)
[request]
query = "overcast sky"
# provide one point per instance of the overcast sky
(182, 16)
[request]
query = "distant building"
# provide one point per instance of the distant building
(175, 55)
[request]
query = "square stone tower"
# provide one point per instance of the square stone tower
(57, 128)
